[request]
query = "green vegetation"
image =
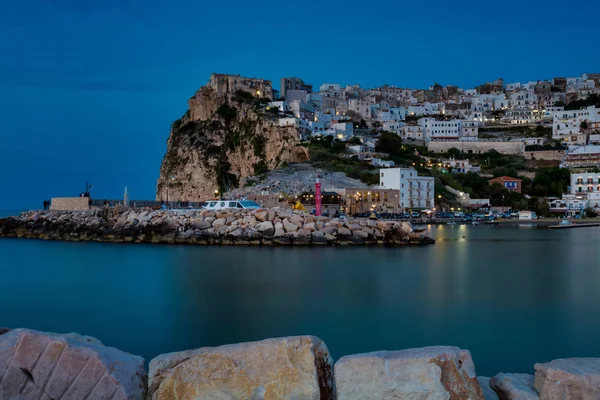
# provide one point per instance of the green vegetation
(525, 130)
(326, 152)
(227, 112)
(592, 100)
(399, 152)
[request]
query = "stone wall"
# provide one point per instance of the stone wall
(275, 226)
(554, 155)
(478, 147)
(70, 203)
(39, 365)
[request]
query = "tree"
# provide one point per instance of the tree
(454, 152)
(354, 140)
(584, 124)
(389, 143)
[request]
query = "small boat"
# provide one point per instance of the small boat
(566, 224)
(451, 223)
(474, 223)
(221, 204)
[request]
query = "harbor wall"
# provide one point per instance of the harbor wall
(275, 226)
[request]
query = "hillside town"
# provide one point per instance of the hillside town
(415, 149)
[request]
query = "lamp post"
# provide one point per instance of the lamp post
(171, 178)
(216, 194)
(502, 204)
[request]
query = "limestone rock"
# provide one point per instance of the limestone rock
(262, 215)
(427, 373)
(344, 232)
(568, 379)
(218, 222)
(67, 366)
(202, 225)
(318, 237)
(266, 228)
(488, 392)
(309, 226)
(514, 386)
(329, 230)
(289, 226)
(285, 368)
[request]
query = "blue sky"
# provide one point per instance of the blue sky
(88, 89)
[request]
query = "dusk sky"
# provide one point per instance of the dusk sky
(89, 88)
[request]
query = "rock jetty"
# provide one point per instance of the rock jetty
(39, 365)
(275, 226)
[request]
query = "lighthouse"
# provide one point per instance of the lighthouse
(318, 197)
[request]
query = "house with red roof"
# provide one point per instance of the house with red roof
(507, 182)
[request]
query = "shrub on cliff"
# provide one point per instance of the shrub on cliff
(226, 112)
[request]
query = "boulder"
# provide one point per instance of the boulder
(568, 379)
(344, 232)
(514, 386)
(48, 365)
(488, 392)
(354, 227)
(426, 373)
(285, 368)
(297, 220)
(329, 230)
(266, 228)
(219, 222)
(360, 234)
(202, 225)
(309, 226)
(318, 237)
(289, 226)
(262, 215)
(4, 330)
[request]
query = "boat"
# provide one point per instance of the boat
(474, 223)
(451, 223)
(566, 224)
(221, 204)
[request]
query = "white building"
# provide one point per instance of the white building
(361, 107)
(414, 132)
(394, 126)
(585, 182)
(378, 162)
(524, 99)
(566, 125)
(415, 191)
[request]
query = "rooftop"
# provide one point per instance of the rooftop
(505, 179)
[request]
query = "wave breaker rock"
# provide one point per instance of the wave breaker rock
(514, 386)
(298, 367)
(432, 373)
(568, 379)
(68, 366)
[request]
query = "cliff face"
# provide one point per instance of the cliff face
(220, 140)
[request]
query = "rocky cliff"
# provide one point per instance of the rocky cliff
(222, 138)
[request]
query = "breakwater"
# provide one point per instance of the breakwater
(71, 366)
(276, 226)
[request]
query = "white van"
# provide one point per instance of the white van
(527, 215)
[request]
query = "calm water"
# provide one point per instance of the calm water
(513, 296)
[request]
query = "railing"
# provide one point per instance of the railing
(156, 204)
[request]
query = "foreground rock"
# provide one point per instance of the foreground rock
(488, 392)
(426, 373)
(286, 368)
(514, 387)
(568, 379)
(48, 365)
(229, 226)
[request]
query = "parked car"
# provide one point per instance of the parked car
(415, 214)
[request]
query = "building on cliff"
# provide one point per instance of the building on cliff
(225, 84)
(288, 84)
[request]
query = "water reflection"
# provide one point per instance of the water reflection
(512, 296)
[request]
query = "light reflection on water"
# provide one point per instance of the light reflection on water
(512, 296)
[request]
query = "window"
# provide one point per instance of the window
(232, 204)
(382, 174)
(213, 203)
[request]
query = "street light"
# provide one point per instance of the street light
(171, 178)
